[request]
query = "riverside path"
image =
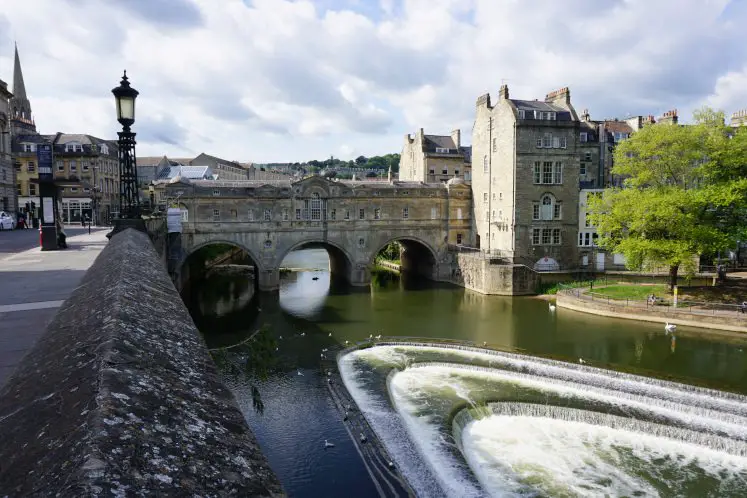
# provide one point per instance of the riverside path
(34, 284)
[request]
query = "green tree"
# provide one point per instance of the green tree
(684, 194)
(360, 160)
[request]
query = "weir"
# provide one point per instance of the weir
(616, 412)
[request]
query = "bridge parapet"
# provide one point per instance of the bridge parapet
(120, 396)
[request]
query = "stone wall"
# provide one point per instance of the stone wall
(483, 275)
(121, 398)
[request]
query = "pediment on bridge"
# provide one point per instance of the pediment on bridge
(315, 184)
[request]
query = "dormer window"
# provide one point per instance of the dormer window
(216, 193)
(29, 147)
(584, 137)
(522, 114)
(103, 149)
(442, 150)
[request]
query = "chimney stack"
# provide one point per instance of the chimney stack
(561, 96)
(669, 117)
(649, 120)
(585, 116)
(503, 92)
(456, 136)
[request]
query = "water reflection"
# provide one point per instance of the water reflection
(297, 414)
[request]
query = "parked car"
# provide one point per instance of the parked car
(7, 221)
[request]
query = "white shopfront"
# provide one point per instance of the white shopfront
(75, 208)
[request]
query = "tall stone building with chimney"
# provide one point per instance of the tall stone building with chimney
(525, 179)
(434, 158)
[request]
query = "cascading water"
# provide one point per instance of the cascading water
(461, 421)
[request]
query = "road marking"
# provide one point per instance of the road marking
(20, 260)
(30, 306)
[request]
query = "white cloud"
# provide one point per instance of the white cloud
(272, 80)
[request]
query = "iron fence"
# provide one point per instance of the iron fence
(702, 308)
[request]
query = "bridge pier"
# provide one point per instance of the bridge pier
(360, 275)
(268, 280)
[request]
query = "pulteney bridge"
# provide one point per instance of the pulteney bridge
(352, 220)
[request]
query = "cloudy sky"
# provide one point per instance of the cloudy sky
(281, 80)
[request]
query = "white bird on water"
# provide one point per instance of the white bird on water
(299, 373)
(370, 336)
(329, 335)
(378, 337)
(327, 444)
(303, 334)
(581, 361)
(670, 327)
(552, 307)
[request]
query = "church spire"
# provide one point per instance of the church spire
(20, 107)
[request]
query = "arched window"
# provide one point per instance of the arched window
(547, 208)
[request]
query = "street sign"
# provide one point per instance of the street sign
(45, 158)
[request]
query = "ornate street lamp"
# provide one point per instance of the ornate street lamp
(129, 198)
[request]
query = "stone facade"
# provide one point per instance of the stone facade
(738, 118)
(352, 220)
(8, 194)
(525, 179)
(434, 158)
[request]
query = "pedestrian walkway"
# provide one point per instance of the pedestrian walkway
(33, 285)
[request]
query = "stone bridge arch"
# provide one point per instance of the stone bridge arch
(341, 260)
(418, 255)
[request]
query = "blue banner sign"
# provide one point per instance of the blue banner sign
(45, 158)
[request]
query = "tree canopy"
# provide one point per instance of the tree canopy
(684, 194)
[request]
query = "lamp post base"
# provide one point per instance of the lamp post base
(48, 238)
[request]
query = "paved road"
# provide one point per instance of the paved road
(33, 284)
(14, 241)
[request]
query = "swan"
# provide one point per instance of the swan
(299, 373)
(378, 337)
(281, 338)
(484, 343)
(303, 334)
(329, 335)
(370, 336)
(552, 307)
(347, 342)
(327, 444)
(670, 327)
(581, 361)
(321, 355)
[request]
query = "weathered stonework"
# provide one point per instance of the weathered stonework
(121, 398)
(352, 220)
(487, 276)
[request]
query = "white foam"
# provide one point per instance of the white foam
(514, 454)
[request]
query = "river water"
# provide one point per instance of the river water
(475, 423)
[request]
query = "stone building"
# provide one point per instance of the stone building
(525, 179)
(434, 158)
(87, 172)
(8, 194)
(226, 170)
(739, 118)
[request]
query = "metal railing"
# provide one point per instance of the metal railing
(702, 308)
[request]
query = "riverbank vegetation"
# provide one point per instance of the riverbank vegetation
(684, 194)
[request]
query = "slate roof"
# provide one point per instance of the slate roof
(33, 139)
(616, 126)
(288, 183)
(443, 141)
(149, 160)
(539, 105)
(190, 172)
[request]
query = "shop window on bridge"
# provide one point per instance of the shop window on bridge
(216, 215)
(459, 239)
(405, 213)
(434, 213)
(333, 214)
(347, 214)
(361, 214)
(285, 214)
(298, 214)
(377, 213)
(268, 215)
